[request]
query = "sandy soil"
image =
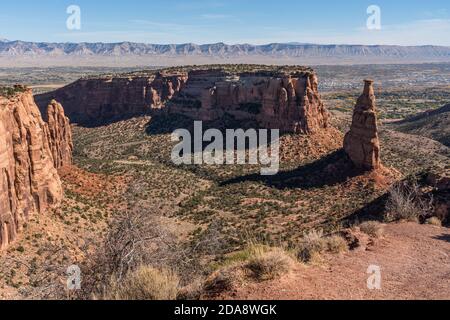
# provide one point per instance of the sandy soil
(414, 261)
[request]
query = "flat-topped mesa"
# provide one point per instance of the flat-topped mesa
(29, 182)
(362, 143)
(289, 102)
(284, 98)
(59, 135)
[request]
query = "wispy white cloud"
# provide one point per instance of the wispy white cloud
(215, 16)
(161, 25)
(420, 32)
(440, 13)
(199, 5)
(114, 36)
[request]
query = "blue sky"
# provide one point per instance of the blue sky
(413, 22)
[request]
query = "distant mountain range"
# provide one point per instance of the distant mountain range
(17, 48)
(279, 52)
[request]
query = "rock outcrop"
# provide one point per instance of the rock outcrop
(361, 143)
(98, 100)
(59, 135)
(284, 98)
(29, 182)
(288, 101)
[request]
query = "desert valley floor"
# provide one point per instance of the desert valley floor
(207, 223)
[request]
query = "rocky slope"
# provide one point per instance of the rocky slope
(29, 181)
(274, 97)
(362, 143)
(433, 124)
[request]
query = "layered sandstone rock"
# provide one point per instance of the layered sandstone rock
(286, 101)
(29, 182)
(102, 99)
(275, 97)
(361, 143)
(59, 135)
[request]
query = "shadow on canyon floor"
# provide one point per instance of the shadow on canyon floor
(371, 211)
(104, 122)
(330, 170)
(443, 237)
(163, 123)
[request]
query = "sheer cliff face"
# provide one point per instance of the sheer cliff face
(362, 143)
(59, 135)
(279, 100)
(91, 101)
(29, 182)
(287, 102)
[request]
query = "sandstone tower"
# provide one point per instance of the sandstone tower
(361, 143)
(59, 135)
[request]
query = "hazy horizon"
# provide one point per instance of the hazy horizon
(294, 43)
(231, 22)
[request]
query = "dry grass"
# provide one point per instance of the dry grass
(434, 221)
(146, 283)
(311, 246)
(193, 291)
(222, 280)
(372, 228)
(314, 244)
(336, 244)
(256, 261)
(269, 265)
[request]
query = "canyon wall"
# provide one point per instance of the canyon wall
(286, 101)
(29, 181)
(278, 98)
(93, 101)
